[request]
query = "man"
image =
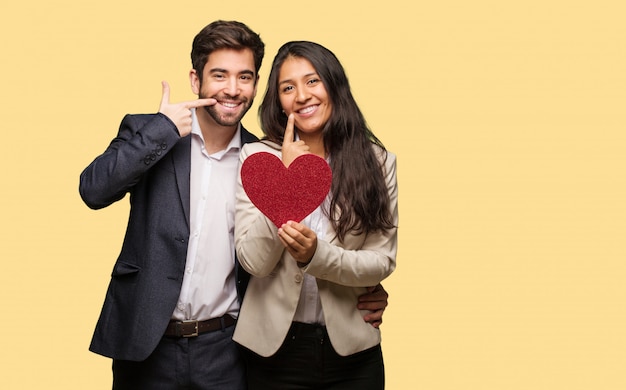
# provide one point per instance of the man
(175, 289)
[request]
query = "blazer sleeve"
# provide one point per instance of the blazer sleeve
(142, 140)
(361, 262)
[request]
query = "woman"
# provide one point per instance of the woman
(298, 322)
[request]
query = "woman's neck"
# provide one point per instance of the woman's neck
(315, 142)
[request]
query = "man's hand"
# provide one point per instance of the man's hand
(292, 150)
(180, 113)
(375, 300)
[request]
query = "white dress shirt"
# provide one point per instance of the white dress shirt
(209, 285)
(309, 308)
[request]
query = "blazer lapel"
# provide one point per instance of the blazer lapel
(181, 156)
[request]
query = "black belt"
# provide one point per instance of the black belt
(192, 328)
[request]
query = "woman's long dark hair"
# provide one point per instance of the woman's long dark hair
(359, 198)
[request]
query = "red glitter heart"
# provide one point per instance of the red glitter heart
(286, 194)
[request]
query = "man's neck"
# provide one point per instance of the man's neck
(216, 137)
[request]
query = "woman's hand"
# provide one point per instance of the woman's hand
(292, 150)
(299, 240)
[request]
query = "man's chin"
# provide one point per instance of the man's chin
(227, 124)
(224, 120)
(230, 120)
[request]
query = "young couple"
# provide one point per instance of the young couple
(308, 318)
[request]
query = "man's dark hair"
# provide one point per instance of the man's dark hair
(225, 35)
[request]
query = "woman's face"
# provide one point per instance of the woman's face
(302, 92)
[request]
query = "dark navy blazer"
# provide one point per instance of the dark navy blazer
(149, 160)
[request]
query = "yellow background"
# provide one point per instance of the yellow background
(508, 122)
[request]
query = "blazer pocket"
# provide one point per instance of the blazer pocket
(124, 269)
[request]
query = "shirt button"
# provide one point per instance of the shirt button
(298, 278)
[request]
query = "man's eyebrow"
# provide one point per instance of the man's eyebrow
(222, 70)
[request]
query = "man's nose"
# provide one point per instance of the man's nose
(232, 87)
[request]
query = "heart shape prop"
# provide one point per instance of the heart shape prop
(285, 194)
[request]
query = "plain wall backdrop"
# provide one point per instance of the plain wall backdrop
(508, 120)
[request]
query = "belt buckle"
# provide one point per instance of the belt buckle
(195, 328)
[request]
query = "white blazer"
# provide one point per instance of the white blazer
(343, 270)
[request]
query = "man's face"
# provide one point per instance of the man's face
(229, 77)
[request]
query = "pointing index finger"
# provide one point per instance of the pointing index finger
(288, 138)
(165, 98)
(200, 103)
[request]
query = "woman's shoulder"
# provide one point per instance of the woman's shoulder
(260, 146)
(383, 154)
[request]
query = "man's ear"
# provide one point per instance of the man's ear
(194, 80)
(256, 84)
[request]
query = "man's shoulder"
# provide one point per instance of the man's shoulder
(247, 137)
